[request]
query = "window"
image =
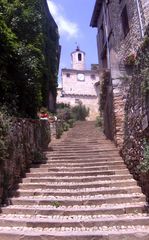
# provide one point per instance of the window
(125, 23)
(77, 100)
(68, 75)
(79, 56)
(93, 77)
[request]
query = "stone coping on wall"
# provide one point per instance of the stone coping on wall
(79, 95)
(80, 71)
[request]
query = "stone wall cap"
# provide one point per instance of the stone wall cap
(78, 95)
(80, 71)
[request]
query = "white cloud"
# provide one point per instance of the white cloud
(66, 27)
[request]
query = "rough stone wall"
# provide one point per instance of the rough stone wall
(136, 118)
(90, 102)
(27, 138)
(120, 48)
(131, 42)
(144, 4)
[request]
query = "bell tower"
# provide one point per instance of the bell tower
(78, 59)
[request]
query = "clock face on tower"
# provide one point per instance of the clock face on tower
(80, 76)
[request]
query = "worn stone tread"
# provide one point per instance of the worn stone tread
(131, 233)
(82, 191)
(76, 210)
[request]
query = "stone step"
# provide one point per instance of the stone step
(82, 158)
(85, 221)
(87, 155)
(74, 185)
(82, 191)
(97, 147)
(45, 179)
(54, 192)
(78, 164)
(82, 151)
(79, 169)
(108, 209)
(91, 140)
(80, 200)
(44, 171)
(66, 159)
(95, 170)
(105, 233)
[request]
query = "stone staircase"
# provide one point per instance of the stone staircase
(83, 192)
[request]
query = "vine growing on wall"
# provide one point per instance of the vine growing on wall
(142, 64)
(103, 89)
(144, 165)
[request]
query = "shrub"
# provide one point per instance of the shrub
(103, 89)
(80, 112)
(62, 106)
(71, 122)
(99, 121)
(65, 126)
(64, 114)
(59, 129)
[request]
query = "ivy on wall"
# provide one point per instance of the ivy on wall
(103, 89)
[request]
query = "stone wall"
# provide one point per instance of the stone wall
(114, 54)
(27, 139)
(121, 47)
(136, 135)
(90, 102)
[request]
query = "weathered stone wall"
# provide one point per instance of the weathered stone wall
(137, 118)
(145, 12)
(120, 47)
(90, 102)
(27, 139)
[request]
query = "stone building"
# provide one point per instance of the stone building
(121, 26)
(80, 85)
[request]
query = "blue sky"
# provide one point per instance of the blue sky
(73, 19)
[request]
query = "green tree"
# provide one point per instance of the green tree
(26, 70)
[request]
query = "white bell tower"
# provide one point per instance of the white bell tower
(78, 59)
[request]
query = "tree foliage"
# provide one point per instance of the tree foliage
(28, 35)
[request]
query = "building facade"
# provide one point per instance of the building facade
(121, 27)
(80, 85)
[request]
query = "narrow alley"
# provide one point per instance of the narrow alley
(82, 192)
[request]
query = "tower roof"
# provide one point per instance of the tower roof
(78, 50)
